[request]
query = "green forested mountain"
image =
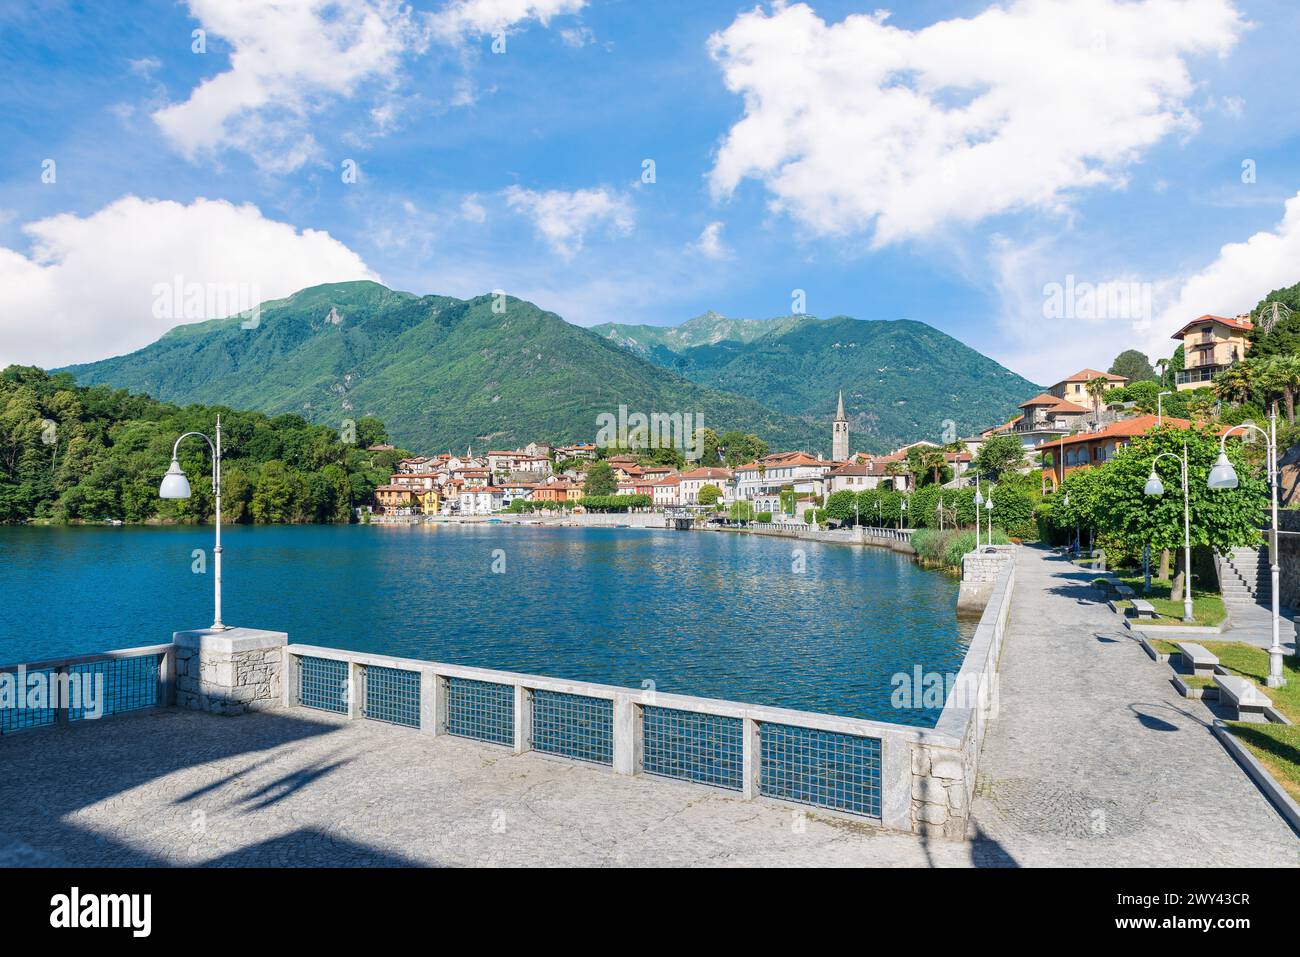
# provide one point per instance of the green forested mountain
(902, 380)
(440, 372)
(70, 452)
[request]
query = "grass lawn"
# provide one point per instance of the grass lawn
(1197, 681)
(1277, 747)
(1207, 609)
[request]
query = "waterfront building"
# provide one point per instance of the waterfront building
(1046, 417)
(666, 492)
(690, 483)
(395, 499)
(480, 500)
(1210, 345)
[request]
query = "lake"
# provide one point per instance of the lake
(702, 613)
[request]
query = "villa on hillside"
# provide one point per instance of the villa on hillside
(1075, 387)
(1210, 345)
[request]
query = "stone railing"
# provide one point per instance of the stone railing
(86, 687)
(898, 776)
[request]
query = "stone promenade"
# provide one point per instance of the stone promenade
(1093, 760)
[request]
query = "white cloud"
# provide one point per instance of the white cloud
(472, 210)
(463, 18)
(710, 243)
(291, 59)
(860, 125)
(89, 287)
(563, 218)
(1045, 349)
(1241, 275)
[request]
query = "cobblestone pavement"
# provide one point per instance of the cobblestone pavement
(1094, 759)
(303, 788)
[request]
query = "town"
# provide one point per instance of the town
(1078, 421)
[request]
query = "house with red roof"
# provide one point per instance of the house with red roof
(1092, 448)
(1210, 345)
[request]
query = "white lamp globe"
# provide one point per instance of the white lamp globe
(1222, 475)
(1154, 486)
(174, 483)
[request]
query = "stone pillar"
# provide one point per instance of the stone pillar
(979, 571)
(231, 671)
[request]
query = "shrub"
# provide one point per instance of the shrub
(764, 517)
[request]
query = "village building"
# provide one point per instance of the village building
(1092, 448)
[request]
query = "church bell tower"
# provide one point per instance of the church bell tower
(840, 434)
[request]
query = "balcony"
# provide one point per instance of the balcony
(1198, 376)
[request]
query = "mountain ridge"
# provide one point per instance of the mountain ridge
(443, 372)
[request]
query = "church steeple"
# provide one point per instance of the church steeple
(840, 433)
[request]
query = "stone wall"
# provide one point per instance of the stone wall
(1289, 520)
(229, 672)
(943, 775)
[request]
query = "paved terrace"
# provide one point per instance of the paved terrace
(1093, 760)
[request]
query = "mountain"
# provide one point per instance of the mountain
(703, 330)
(439, 372)
(902, 380)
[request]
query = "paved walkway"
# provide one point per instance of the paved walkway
(174, 788)
(1094, 759)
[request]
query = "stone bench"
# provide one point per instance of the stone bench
(1197, 658)
(1124, 591)
(1244, 696)
(1144, 609)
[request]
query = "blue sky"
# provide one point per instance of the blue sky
(945, 164)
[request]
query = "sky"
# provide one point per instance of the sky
(1049, 181)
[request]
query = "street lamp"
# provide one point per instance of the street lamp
(902, 508)
(988, 507)
(938, 507)
(1223, 475)
(176, 485)
(1155, 488)
(979, 500)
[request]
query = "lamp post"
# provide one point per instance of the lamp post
(176, 485)
(902, 509)
(1156, 488)
(979, 500)
(988, 507)
(938, 507)
(1223, 475)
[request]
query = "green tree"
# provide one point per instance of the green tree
(741, 447)
(710, 495)
(600, 480)
(998, 455)
(1134, 366)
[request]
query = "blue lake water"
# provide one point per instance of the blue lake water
(718, 615)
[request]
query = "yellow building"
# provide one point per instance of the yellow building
(1210, 345)
(428, 499)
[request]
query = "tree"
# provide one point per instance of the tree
(1220, 518)
(928, 464)
(1173, 366)
(1097, 388)
(1281, 374)
(998, 455)
(741, 447)
(710, 495)
(1237, 382)
(840, 506)
(600, 480)
(1134, 366)
(741, 511)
